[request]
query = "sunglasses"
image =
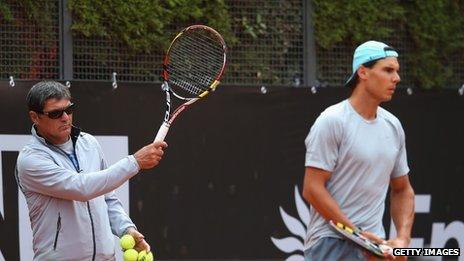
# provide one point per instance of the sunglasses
(56, 114)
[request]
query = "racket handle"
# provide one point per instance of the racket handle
(162, 132)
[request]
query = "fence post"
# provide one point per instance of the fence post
(309, 46)
(66, 42)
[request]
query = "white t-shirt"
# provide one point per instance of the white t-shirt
(362, 155)
(67, 147)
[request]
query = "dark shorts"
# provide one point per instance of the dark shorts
(330, 248)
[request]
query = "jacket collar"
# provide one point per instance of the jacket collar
(75, 133)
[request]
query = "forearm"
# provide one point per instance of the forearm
(402, 211)
(320, 199)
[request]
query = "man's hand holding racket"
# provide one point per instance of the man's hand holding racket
(397, 242)
(376, 246)
(150, 155)
(382, 243)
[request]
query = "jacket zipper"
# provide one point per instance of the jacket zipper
(88, 203)
(93, 230)
(88, 209)
(58, 228)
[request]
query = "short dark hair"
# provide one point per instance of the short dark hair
(355, 80)
(44, 90)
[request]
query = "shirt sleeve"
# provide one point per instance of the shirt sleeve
(39, 173)
(119, 219)
(322, 143)
(401, 165)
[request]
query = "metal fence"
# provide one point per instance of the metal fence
(28, 50)
(270, 50)
(98, 59)
(270, 46)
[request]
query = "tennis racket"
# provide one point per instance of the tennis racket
(355, 236)
(192, 68)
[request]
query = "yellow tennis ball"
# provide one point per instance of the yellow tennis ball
(149, 257)
(130, 255)
(127, 242)
(142, 255)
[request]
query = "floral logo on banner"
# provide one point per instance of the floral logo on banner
(296, 226)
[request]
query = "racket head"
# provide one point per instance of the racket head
(353, 236)
(195, 62)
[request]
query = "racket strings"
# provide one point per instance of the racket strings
(195, 61)
(197, 58)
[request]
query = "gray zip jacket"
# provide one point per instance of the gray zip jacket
(73, 209)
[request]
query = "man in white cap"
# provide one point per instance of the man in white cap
(355, 150)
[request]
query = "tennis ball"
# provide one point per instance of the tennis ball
(142, 255)
(130, 255)
(127, 242)
(149, 257)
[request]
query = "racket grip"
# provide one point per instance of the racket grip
(162, 132)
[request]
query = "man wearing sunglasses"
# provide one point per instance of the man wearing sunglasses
(68, 186)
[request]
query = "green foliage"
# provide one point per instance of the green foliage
(437, 30)
(269, 40)
(5, 12)
(254, 28)
(435, 27)
(33, 9)
(355, 20)
(143, 24)
(30, 37)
